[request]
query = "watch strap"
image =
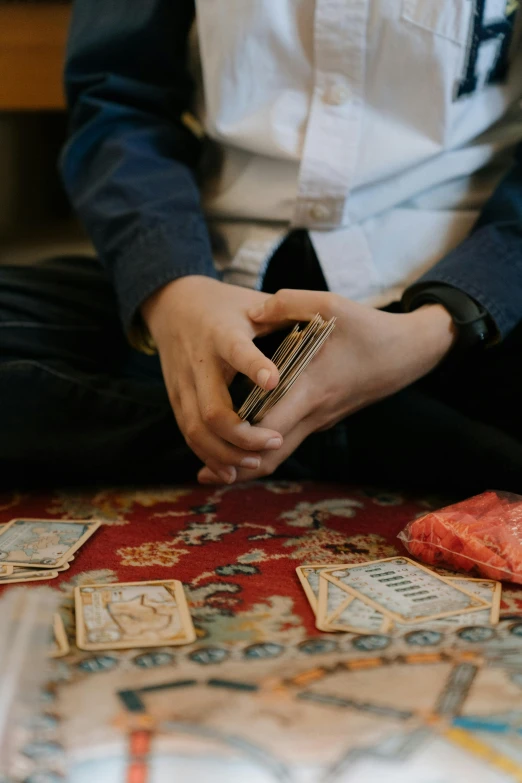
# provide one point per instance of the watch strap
(475, 326)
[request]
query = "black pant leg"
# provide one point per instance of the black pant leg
(62, 309)
(411, 441)
(71, 409)
(486, 386)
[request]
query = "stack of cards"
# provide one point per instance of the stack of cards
(291, 358)
(32, 550)
(381, 595)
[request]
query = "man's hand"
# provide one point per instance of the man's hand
(370, 355)
(204, 336)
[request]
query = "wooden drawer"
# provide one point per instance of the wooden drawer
(32, 46)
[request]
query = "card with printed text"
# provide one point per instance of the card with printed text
(338, 611)
(488, 590)
(404, 590)
(132, 614)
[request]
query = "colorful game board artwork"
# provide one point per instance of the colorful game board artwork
(413, 697)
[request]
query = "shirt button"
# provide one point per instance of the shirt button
(337, 94)
(319, 212)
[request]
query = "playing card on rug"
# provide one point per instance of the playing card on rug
(22, 574)
(338, 611)
(404, 590)
(43, 543)
(331, 600)
(308, 575)
(360, 618)
(60, 643)
(486, 589)
(28, 575)
(19, 574)
(132, 614)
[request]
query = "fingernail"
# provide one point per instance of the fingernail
(228, 475)
(257, 313)
(251, 462)
(262, 377)
(273, 443)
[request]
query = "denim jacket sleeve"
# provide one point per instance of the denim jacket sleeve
(129, 163)
(487, 265)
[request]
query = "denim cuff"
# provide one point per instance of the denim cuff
(157, 257)
(488, 267)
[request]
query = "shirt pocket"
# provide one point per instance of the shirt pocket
(450, 19)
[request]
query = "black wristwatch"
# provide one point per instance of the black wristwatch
(476, 328)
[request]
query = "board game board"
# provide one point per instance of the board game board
(319, 710)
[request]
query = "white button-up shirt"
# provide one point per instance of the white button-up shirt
(380, 125)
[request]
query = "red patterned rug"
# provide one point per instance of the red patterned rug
(234, 548)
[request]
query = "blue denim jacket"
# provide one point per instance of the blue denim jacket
(130, 164)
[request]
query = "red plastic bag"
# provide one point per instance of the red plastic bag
(483, 533)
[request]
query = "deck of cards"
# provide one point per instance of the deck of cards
(33, 550)
(291, 359)
(378, 596)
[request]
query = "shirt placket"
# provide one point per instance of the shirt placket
(333, 131)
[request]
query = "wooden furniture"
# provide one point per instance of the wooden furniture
(32, 46)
